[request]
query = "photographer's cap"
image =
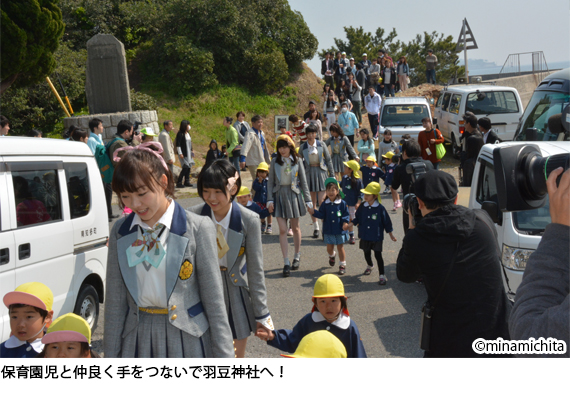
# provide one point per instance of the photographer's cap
(68, 328)
(35, 294)
(436, 186)
(319, 344)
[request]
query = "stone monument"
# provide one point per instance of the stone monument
(107, 80)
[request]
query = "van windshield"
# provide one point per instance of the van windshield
(542, 105)
(533, 222)
(487, 103)
(404, 115)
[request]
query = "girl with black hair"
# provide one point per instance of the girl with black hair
(286, 181)
(239, 239)
(185, 153)
(339, 145)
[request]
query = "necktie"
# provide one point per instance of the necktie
(147, 248)
(223, 247)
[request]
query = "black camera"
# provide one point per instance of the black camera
(410, 204)
(521, 172)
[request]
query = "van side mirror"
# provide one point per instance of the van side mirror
(492, 208)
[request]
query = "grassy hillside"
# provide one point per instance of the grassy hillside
(206, 111)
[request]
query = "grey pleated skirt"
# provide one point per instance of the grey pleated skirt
(337, 161)
(289, 205)
(316, 178)
(239, 308)
(155, 337)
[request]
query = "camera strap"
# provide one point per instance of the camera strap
(446, 277)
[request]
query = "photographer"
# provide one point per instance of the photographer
(455, 251)
(411, 153)
(542, 303)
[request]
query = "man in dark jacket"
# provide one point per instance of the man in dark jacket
(472, 302)
(411, 153)
(327, 69)
(489, 136)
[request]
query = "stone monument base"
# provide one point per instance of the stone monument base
(147, 118)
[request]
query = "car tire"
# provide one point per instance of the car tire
(87, 305)
(454, 147)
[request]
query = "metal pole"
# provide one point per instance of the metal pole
(57, 96)
(465, 49)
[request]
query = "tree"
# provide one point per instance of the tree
(31, 30)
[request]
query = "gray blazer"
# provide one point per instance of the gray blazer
(244, 241)
(197, 301)
(298, 179)
(344, 147)
(323, 153)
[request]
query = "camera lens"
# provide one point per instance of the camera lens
(538, 169)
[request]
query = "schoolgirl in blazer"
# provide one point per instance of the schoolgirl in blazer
(298, 181)
(323, 154)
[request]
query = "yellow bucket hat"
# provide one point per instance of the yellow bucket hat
(372, 188)
(371, 157)
(263, 167)
(243, 191)
(320, 344)
(35, 294)
(68, 328)
(328, 285)
(355, 166)
(388, 155)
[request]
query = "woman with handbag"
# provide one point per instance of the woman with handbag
(428, 140)
(185, 154)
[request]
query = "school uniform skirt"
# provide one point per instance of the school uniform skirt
(155, 337)
(289, 205)
(337, 161)
(239, 308)
(316, 178)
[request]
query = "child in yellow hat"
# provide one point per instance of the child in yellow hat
(351, 184)
(390, 167)
(259, 187)
(330, 312)
(321, 345)
(69, 336)
(30, 307)
(244, 199)
(372, 220)
(371, 172)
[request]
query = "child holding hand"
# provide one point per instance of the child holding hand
(334, 213)
(372, 219)
(371, 172)
(351, 185)
(259, 186)
(390, 167)
(69, 336)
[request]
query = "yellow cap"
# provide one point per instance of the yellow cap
(355, 166)
(372, 188)
(243, 191)
(287, 138)
(328, 285)
(263, 167)
(320, 344)
(68, 328)
(371, 157)
(35, 294)
(388, 155)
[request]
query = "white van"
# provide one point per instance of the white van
(519, 233)
(502, 105)
(402, 116)
(53, 224)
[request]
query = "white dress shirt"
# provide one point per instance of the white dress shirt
(225, 224)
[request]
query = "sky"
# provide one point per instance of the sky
(500, 27)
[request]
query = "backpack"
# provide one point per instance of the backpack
(104, 161)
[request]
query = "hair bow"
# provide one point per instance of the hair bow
(232, 181)
(144, 147)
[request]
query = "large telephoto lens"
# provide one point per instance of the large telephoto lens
(537, 170)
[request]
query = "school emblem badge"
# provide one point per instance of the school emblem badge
(186, 270)
(241, 250)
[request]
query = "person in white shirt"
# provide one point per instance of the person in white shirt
(373, 102)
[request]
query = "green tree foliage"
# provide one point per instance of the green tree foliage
(35, 106)
(31, 30)
(359, 42)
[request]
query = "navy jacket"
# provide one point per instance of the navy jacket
(254, 207)
(351, 195)
(334, 214)
(25, 350)
(343, 328)
(372, 221)
(373, 174)
(260, 191)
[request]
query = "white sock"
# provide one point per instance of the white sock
(343, 263)
(286, 261)
(333, 255)
(298, 256)
(316, 225)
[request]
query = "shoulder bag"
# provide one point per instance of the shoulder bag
(439, 149)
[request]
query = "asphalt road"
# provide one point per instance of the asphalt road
(388, 317)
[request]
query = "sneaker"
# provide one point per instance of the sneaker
(387, 190)
(332, 260)
(295, 265)
(382, 280)
(290, 232)
(263, 225)
(286, 271)
(368, 270)
(398, 204)
(394, 209)
(351, 240)
(316, 234)
(342, 270)
(269, 229)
